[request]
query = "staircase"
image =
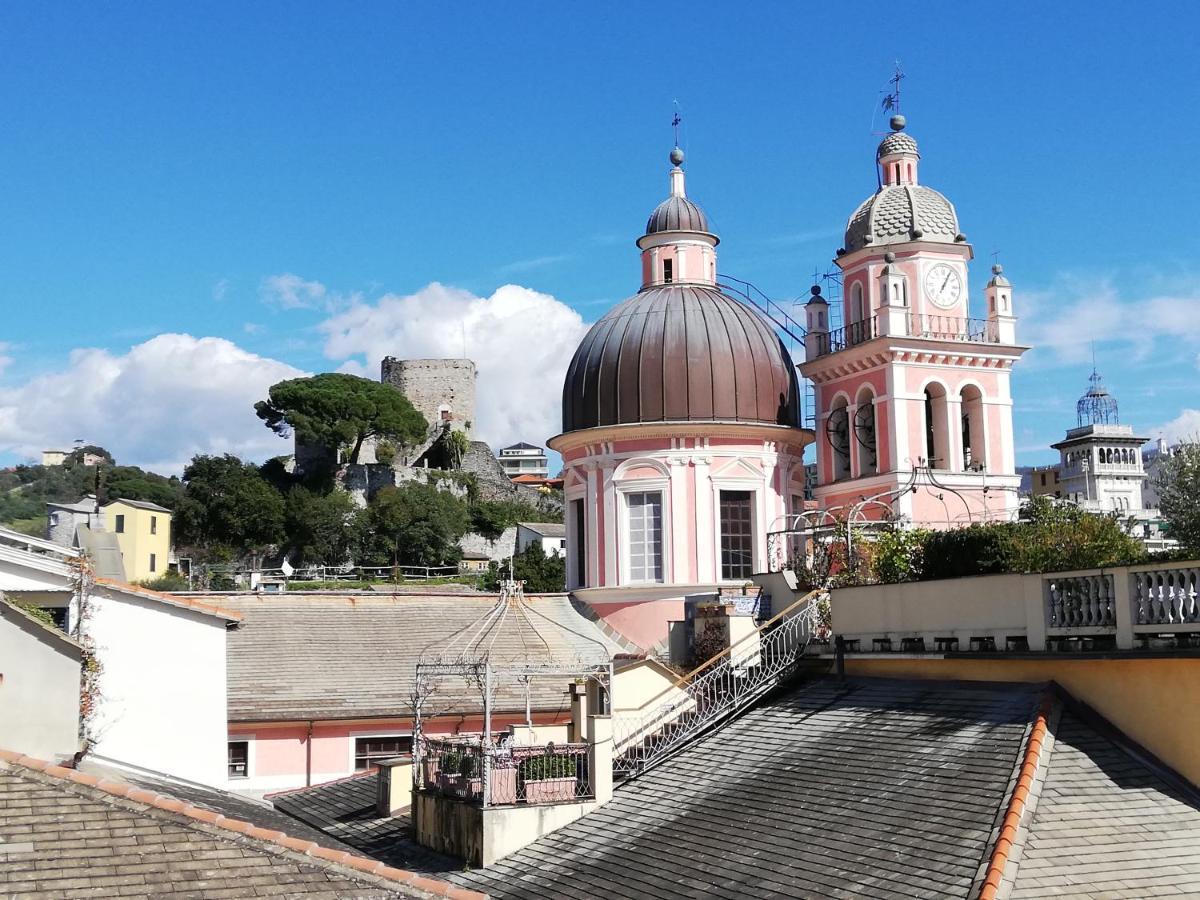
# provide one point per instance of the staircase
(726, 684)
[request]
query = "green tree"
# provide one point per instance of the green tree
(1178, 483)
(491, 517)
(414, 524)
(542, 574)
(227, 504)
(318, 526)
(336, 410)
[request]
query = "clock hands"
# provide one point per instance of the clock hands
(949, 274)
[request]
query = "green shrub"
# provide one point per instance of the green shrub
(540, 768)
(167, 581)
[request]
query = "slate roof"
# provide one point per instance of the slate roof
(890, 215)
(138, 504)
(69, 834)
(546, 529)
(344, 810)
(321, 656)
(868, 788)
(1107, 823)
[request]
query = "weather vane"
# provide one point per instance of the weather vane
(675, 120)
(892, 100)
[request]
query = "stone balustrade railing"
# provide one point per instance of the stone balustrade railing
(1154, 605)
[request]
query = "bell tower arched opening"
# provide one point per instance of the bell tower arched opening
(974, 446)
(864, 433)
(937, 431)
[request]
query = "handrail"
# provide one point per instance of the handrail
(684, 679)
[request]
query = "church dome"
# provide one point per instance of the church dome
(676, 214)
(898, 213)
(897, 142)
(681, 353)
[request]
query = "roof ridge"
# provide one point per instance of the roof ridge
(1020, 798)
(183, 602)
(278, 839)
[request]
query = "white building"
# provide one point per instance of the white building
(552, 536)
(39, 686)
(524, 459)
(161, 702)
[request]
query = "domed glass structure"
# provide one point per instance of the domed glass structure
(1097, 406)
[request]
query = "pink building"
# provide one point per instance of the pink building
(914, 412)
(682, 441)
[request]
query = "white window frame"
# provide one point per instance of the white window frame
(756, 488)
(250, 741)
(662, 487)
(356, 736)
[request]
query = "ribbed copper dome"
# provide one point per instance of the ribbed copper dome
(680, 353)
(676, 214)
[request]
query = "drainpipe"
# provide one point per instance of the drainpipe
(308, 755)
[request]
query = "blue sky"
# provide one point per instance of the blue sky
(290, 179)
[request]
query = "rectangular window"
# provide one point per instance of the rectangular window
(580, 555)
(737, 535)
(239, 759)
(120, 524)
(153, 563)
(154, 524)
(645, 536)
(369, 750)
(667, 271)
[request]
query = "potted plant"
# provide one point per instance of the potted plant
(470, 777)
(448, 771)
(549, 778)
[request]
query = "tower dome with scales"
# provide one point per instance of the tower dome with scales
(913, 400)
(682, 433)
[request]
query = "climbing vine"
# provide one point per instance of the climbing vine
(83, 579)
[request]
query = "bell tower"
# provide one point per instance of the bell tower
(913, 403)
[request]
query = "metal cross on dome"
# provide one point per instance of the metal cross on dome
(892, 100)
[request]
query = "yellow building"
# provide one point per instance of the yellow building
(143, 533)
(1045, 481)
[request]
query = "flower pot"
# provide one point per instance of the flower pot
(550, 790)
(503, 787)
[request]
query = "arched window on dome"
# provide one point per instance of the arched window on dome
(937, 430)
(973, 443)
(837, 433)
(864, 433)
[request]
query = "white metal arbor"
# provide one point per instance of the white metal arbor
(507, 651)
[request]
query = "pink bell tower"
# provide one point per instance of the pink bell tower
(914, 410)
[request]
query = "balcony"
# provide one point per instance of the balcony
(505, 774)
(941, 328)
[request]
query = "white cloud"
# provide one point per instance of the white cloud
(5, 356)
(156, 406)
(220, 290)
(537, 262)
(1065, 320)
(1184, 427)
(521, 341)
(288, 291)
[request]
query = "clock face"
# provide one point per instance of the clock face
(943, 285)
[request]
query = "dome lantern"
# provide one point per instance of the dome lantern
(677, 246)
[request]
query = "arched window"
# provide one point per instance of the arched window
(973, 444)
(937, 432)
(864, 433)
(856, 302)
(837, 432)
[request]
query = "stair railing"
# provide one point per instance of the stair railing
(717, 688)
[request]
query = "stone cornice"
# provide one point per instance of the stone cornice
(752, 431)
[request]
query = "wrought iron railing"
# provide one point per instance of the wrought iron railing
(1080, 601)
(953, 328)
(715, 690)
(847, 336)
(504, 774)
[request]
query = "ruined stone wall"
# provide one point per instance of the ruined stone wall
(482, 463)
(440, 389)
(501, 548)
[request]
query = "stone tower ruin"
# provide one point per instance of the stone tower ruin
(442, 390)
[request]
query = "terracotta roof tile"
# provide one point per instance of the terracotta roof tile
(172, 599)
